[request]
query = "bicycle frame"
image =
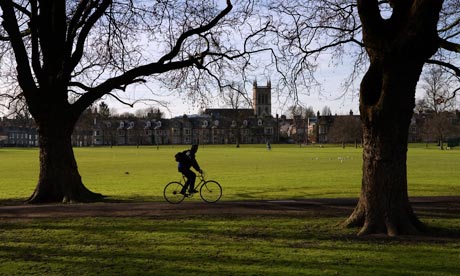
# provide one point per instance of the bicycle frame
(209, 190)
(201, 177)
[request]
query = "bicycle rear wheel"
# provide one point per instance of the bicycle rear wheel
(211, 191)
(172, 192)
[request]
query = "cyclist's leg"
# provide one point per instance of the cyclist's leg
(191, 177)
(184, 187)
(190, 183)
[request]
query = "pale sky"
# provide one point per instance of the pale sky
(330, 95)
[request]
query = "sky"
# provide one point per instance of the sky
(331, 95)
(178, 106)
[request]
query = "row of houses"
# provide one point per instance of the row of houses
(218, 126)
(215, 126)
(209, 128)
(226, 126)
(18, 132)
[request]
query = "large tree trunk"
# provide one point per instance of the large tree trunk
(59, 179)
(397, 48)
(383, 205)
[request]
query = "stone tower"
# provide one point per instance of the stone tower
(262, 98)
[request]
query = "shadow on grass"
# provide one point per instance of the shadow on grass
(441, 215)
(12, 201)
(239, 245)
(105, 199)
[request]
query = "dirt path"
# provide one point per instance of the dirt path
(433, 206)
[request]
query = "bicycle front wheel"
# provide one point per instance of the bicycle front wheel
(211, 191)
(172, 192)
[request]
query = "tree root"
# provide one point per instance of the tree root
(81, 195)
(406, 223)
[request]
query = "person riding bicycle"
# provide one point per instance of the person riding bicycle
(186, 160)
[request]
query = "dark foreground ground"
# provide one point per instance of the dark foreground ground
(447, 207)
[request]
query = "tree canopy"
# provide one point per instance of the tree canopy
(100, 48)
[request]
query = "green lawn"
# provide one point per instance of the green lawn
(248, 172)
(302, 244)
(213, 245)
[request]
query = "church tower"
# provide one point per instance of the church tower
(262, 99)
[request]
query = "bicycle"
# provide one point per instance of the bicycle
(210, 190)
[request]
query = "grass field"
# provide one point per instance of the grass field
(217, 246)
(248, 172)
(304, 244)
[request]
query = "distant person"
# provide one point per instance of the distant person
(269, 147)
(186, 160)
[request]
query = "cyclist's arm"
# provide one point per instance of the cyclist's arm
(196, 166)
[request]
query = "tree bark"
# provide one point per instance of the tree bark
(59, 179)
(384, 205)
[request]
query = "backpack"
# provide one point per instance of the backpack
(181, 157)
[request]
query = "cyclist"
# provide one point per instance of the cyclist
(184, 164)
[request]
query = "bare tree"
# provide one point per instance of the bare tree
(301, 111)
(65, 55)
(326, 111)
(295, 111)
(235, 96)
(441, 89)
(438, 127)
(393, 40)
(104, 110)
(345, 129)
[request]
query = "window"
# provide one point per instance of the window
(260, 122)
(322, 129)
